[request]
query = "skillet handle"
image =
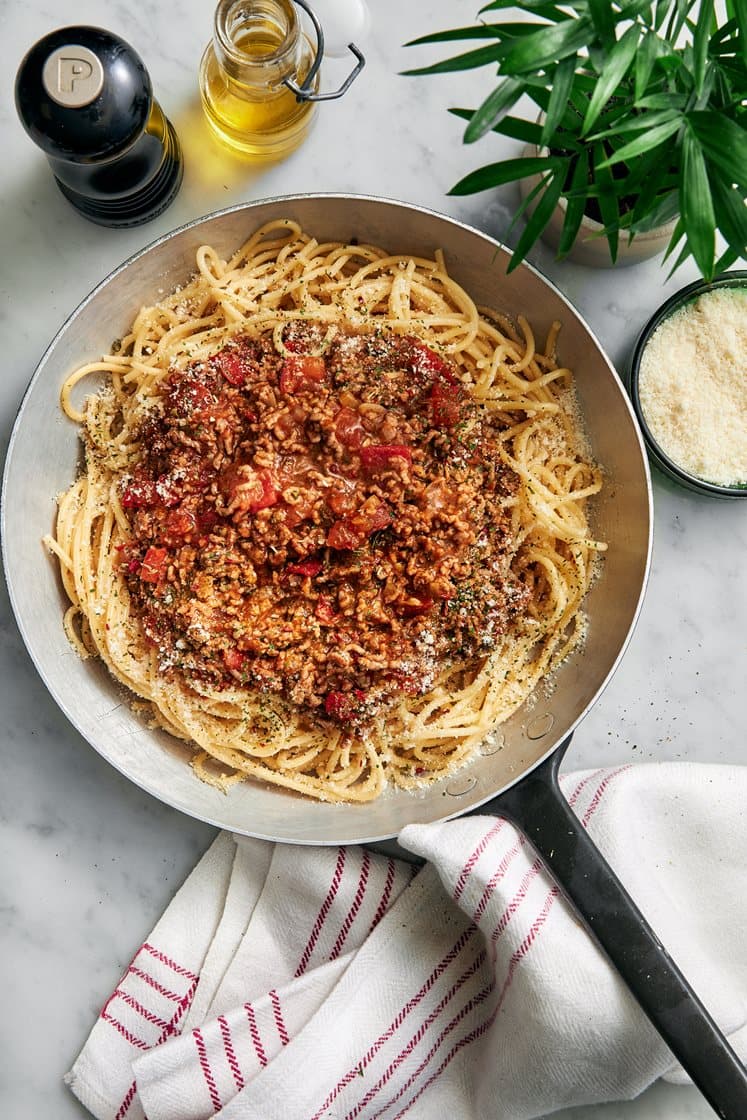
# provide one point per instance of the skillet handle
(538, 809)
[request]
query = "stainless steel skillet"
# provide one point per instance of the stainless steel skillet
(517, 778)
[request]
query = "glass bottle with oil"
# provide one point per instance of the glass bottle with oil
(257, 46)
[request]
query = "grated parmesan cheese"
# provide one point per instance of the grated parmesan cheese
(692, 386)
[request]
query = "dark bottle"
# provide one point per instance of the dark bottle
(85, 98)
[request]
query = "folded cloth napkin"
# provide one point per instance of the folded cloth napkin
(311, 983)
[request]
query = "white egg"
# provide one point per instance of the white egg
(343, 22)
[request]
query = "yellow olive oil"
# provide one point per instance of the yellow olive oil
(241, 81)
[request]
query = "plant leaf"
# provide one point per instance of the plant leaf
(549, 44)
(560, 89)
(669, 100)
(529, 132)
(740, 14)
(575, 206)
(723, 141)
(483, 56)
(603, 20)
(607, 201)
(478, 31)
(644, 143)
(726, 261)
(697, 205)
(618, 63)
(677, 234)
(731, 213)
(641, 123)
(644, 64)
(539, 219)
(530, 5)
(505, 171)
(494, 107)
(701, 37)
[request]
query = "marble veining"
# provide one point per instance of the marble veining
(88, 860)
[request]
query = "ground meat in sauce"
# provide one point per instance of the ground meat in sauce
(331, 528)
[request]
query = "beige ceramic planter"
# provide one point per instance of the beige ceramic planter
(590, 248)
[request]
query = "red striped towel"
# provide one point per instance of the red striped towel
(317, 983)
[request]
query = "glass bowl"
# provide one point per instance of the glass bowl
(670, 467)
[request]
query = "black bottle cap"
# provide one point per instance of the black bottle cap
(83, 94)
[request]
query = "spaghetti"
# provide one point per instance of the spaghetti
(332, 525)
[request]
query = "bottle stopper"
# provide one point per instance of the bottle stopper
(85, 98)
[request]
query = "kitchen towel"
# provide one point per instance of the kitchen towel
(320, 983)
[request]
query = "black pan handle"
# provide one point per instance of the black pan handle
(538, 808)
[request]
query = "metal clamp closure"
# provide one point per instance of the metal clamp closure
(304, 91)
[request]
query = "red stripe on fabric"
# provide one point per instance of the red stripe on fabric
(225, 1031)
(479, 1030)
(177, 968)
(480, 848)
(498, 874)
(387, 894)
(321, 916)
(420, 1033)
(517, 900)
(169, 1029)
(508, 857)
(275, 1001)
(254, 1032)
(399, 1019)
(207, 1073)
(165, 992)
(470, 1005)
(521, 951)
(149, 1016)
(355, 907)
(594, 803)
(125, 1105)
(122, 1029)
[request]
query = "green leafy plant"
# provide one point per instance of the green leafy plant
(639, 118)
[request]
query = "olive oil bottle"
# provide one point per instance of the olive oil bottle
(257, 46)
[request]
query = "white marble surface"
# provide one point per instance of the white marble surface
(88, 861)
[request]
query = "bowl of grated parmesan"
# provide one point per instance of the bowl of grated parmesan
(688, 385)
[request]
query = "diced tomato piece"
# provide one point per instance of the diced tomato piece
(380, 456)
(254, 489)
(325, 610)
(379, 518)
(178, 525)
(429, 362)
(234, 660)
(351, 531)
(344, 706)
(153, 565)
(445, 401)
(301, 371)
(140, 493)
(344, 535)
(340, 501)
(188, 396)
(348, 428)
(233, 367)
(309, 567)
(267, 495)
(417, 606)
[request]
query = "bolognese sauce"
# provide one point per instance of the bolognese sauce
(322, 516)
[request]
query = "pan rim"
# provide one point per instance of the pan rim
(247, 207)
